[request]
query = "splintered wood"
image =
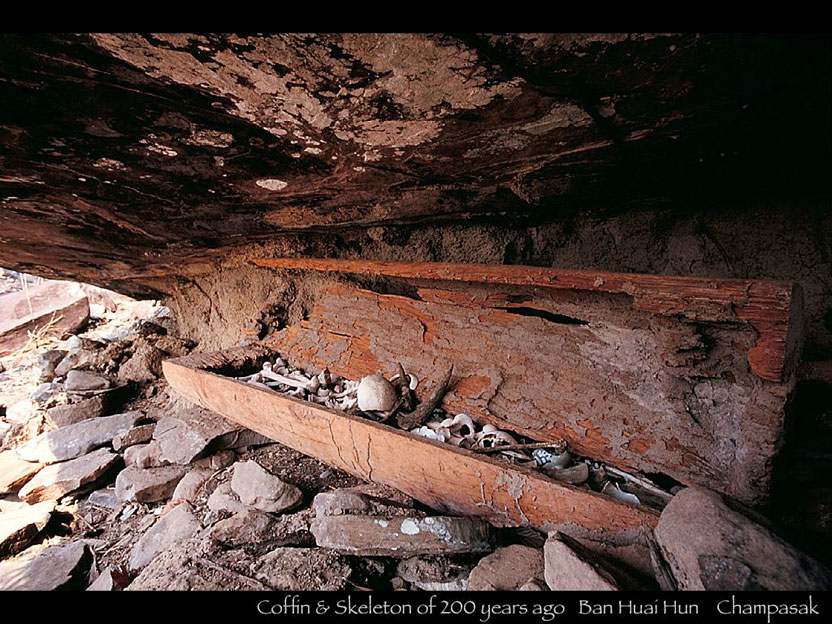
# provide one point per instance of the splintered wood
(684, 377)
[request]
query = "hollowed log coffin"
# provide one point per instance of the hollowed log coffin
(675, 376)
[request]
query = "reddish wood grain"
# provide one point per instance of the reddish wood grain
(771, 307)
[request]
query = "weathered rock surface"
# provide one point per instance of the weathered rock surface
(85, 381)
(178, 524)
(189, 486)
(72, 413)
(47, 361)
(303, 568)
(372, 499)
(401, 536)
(148, 485)
(109, 580)
(223, 498)
(51, 309)
(15, 472)
(22, 410)
(434, 573)
(258, 488)
(136, 435)
(260, 531)
(185, 437)
(572, 567)
(55, 480)
(75, 440)
(19, 524)
(709, 545)
(508, 568)
(104, 498)
(45, 568)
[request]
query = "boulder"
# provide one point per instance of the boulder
(258, 488)
(75, 440)
(148, 485)
(508, 568)
(46, 568)
(178, 524)
(15, 472)
(85, 381)
(710, 545)
(402, 536)
(20, 523)
(72, 413)
(56, 480)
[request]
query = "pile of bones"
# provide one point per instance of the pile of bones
(379, 399)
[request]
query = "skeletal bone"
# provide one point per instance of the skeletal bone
(613, 491)
(547, 459)
(427, 432)
(491, 438)
(375, 393)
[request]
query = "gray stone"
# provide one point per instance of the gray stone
(256, 528)
(148, 485)
(56, 480)
(709, 545)
(178, 524)
(223, 498)
(15, 472)
(85, 381)
(78, 439)
(189, 486)
(434, 573)
(137, 435)
(258, 488)
(241, 438)
(186, 437)
(402, 536)
(508, 569)
(20, 523)
(45, 568)
(571, 566)
(340, 502)
(104, 582)
(47, 361)
(63, 415)
(217, 461)
(104, 498)
(45, 392)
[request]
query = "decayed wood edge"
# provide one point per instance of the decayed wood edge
(442, 476)
(772, 308)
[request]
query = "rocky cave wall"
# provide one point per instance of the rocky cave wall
(160, 164)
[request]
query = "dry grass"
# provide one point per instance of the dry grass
(39, 338)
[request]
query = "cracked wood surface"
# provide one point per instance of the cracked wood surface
(773, 308)
(447, 478)
(623, 383)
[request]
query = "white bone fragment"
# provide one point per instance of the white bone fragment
(427, 432)
(613, 491)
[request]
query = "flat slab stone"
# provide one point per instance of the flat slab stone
(56, 480)
(137, 435)
(178, 524)
(19, 524)
(148, 485)
(186, 436)
(189, 486)
(709, 545)
(61, 305)
(223, 498)
(72, 413)
(258, 488)
(45, 568)
(403, 536)
(507, 569)
(84, 381)
(15, 472)
(79, 439)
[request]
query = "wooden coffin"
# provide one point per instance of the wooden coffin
(682, 377)
(447, 478)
